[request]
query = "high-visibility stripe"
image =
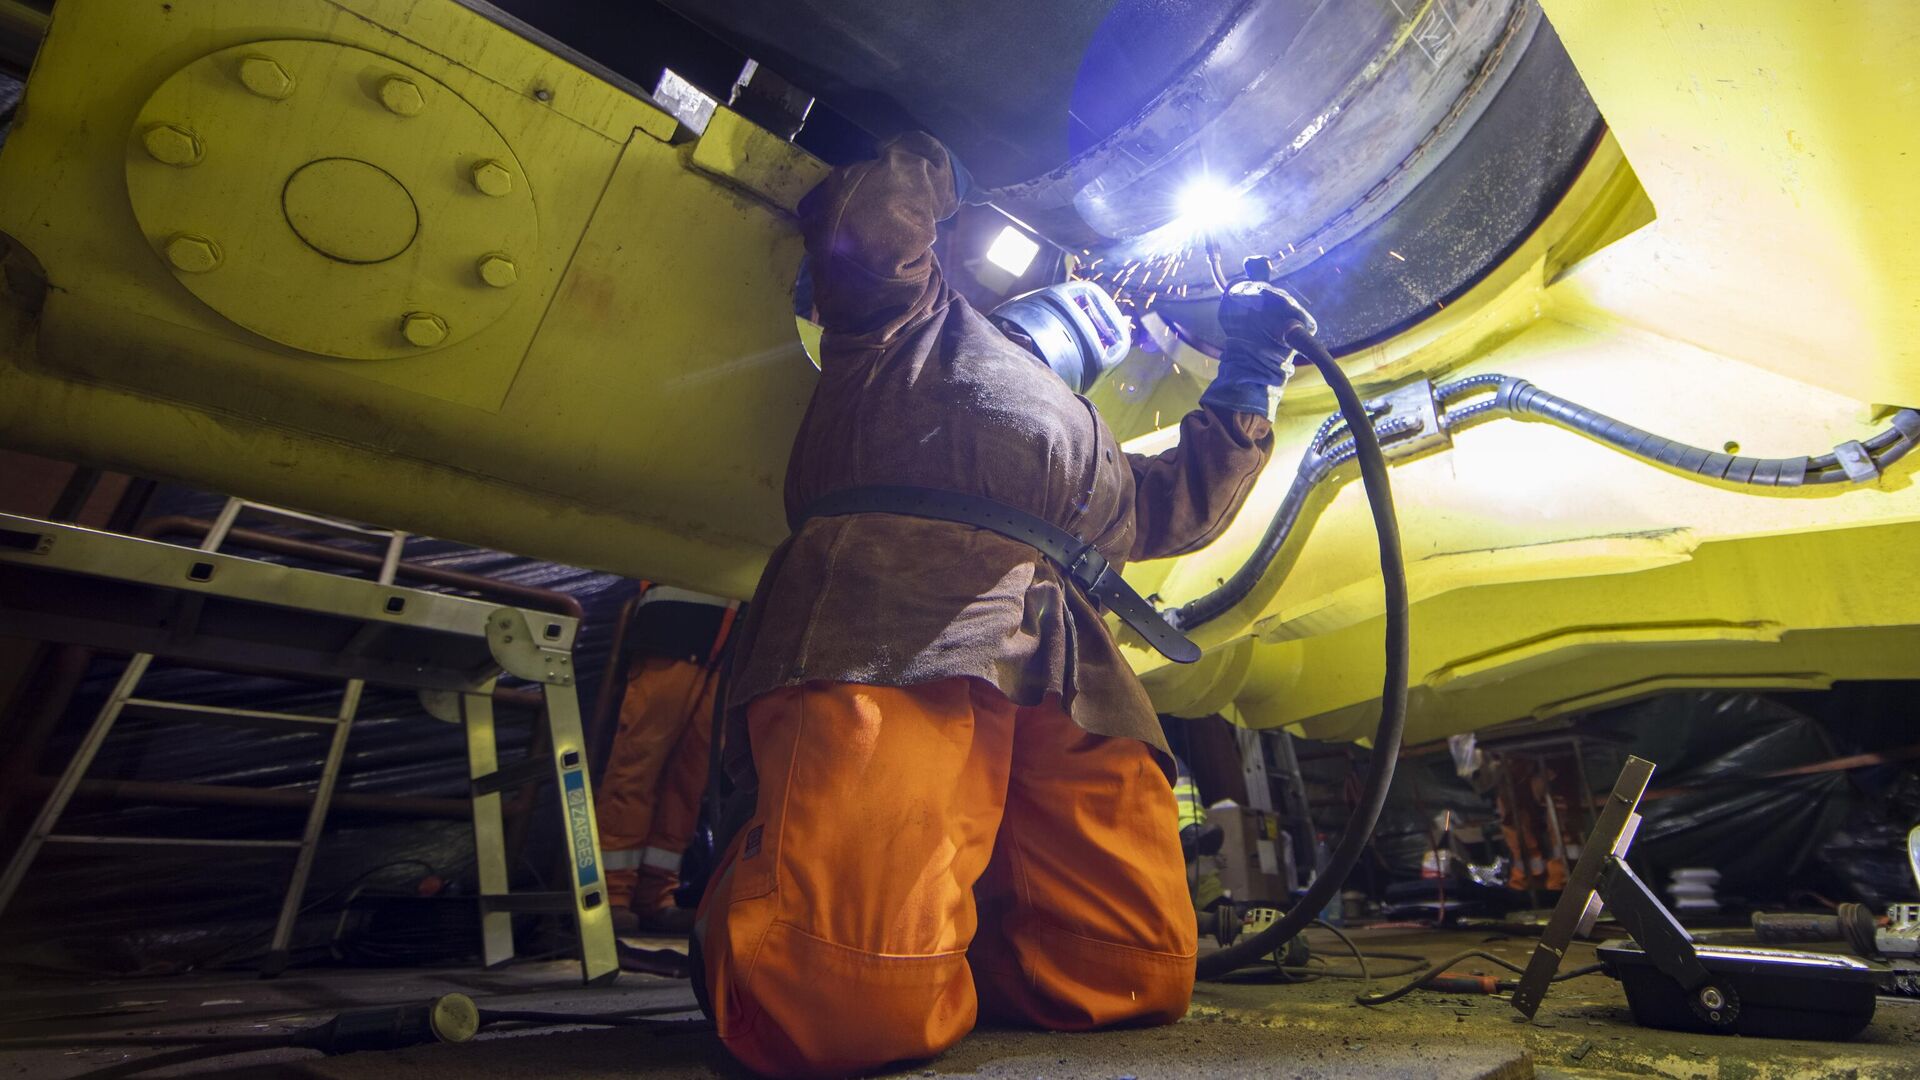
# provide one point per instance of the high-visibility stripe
(1186, 799)
(654, 858)
(621, 860)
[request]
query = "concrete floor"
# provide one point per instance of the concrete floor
(1252, 1028)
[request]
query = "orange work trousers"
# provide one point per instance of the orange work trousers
(921, 856)
(648, 799)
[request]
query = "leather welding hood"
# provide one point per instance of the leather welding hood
(1075, 327)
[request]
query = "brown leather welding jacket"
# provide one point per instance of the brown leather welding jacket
(916, 387)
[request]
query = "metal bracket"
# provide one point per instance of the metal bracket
(520, 653)
(1412, 405)
(1649, 923)
(1857, 461)
(1406, 420)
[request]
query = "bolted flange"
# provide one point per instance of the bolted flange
(192, 253)
(173, 144)
(423, 328)
(497, 270)
(392, 215)
(492, 178)
(264, 76)
(401, 96)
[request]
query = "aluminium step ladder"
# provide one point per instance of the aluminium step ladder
(498, 638)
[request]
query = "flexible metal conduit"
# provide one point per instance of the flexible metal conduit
(1332, 446)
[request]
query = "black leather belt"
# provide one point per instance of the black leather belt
(1078, 559)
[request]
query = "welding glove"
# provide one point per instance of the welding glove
(1254, 366)
(1250, 379)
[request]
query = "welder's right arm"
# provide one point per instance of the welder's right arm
(869, 232)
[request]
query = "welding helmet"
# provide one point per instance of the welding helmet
(1074, 327)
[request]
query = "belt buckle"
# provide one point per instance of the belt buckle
(1088, 568)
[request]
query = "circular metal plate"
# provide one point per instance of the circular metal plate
(361, 201)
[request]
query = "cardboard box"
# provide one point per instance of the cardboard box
(1255, 862)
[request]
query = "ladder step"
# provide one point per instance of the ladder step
(167, 841)
(320, 524)
(531, 903)
(525, 772)
(153, 708)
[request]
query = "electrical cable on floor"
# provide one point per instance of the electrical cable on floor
(449, 1018)
(1440, 968)
(238, 1045)
(1359, 958)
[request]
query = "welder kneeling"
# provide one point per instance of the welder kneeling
(949, 799)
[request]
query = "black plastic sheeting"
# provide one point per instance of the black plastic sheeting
(1832, 836)
(1797, 840)
(160, 910)
(1424, 788)
(1760, 834)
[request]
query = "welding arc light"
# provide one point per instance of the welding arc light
(1013, 251)
(1208, 205)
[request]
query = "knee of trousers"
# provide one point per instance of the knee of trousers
(791, 1004)
(1065, 982)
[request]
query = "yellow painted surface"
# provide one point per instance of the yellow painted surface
(1780, 140)
(601, 418)
(585, 350)
(336, 216)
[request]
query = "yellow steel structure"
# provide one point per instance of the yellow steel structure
(386, 260)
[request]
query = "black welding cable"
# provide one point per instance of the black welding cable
(1393, 686)
(623, 1018)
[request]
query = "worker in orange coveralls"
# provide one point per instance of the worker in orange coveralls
(648, 798)
(950, 800)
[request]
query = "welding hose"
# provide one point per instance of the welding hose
(1504, 395)
(1518, 397)
(1393, 688)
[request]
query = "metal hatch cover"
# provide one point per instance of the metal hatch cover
(331, 199)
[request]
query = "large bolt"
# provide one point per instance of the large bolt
(173, 144)
(401, 96)
(498, 271)
(264, 76)
(492, 178)
(424, 329)
(193, 254)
